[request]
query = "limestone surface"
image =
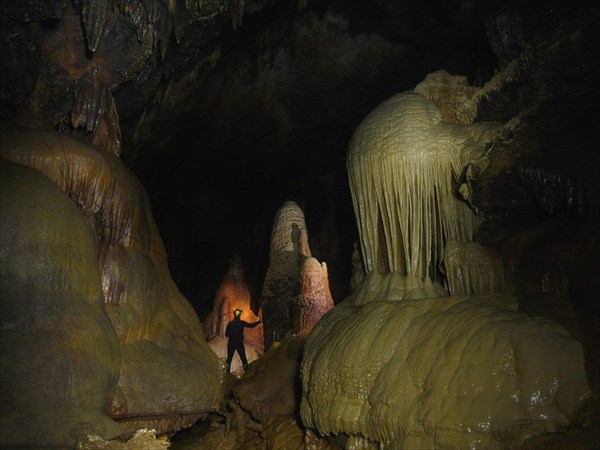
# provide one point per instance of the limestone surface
(455, 372)
(289, 248)
(60, 355)
(93, 318)
(233, 293)
(403, 164)
(315, 298)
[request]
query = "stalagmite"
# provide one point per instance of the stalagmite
(314, 299)
(233, 293)
(289, 248)
(158, 333)
(95, 111)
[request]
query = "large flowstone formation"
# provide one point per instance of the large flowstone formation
(400, 363)
(90, 315)
(460, 372)
(60, 354)
(403, 160)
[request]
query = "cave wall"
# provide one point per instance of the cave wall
(60, 353)
(93, 322)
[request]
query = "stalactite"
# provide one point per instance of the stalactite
(137, 14)
(160, 22)
(214, 57)
(95, 14)
(95, 111)
(194, 4)
(153, 21)
(179, 16)
(506, 35)
(237, 13)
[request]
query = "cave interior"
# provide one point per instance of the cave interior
(210, 115)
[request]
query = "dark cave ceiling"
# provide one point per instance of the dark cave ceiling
(227, 108)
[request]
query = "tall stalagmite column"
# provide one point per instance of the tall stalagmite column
(289, 249)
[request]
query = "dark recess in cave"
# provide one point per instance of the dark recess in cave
(238, 162)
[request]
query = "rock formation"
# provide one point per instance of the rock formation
(226, 108)
(289, 248)
(263, 405)
(60, 354)
(442, 372)
(314, 299)
(91, 318)
(233, 293)
(435, 370)
(402, 161)
(269, 390)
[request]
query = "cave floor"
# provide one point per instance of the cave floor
(193, 437)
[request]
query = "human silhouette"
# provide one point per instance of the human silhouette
(235, 333)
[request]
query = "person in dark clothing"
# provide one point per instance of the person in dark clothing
(235, 333)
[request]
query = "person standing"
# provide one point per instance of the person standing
(235, 334)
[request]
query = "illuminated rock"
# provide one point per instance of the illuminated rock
(268, 390)
(142, 439)
(284, 432)
(233, 293)
(314, 299)
(403, 161)
(60, 355)
(289, 248)
(166, 368)
(401, 364)
(459, 372)
(452, 94)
